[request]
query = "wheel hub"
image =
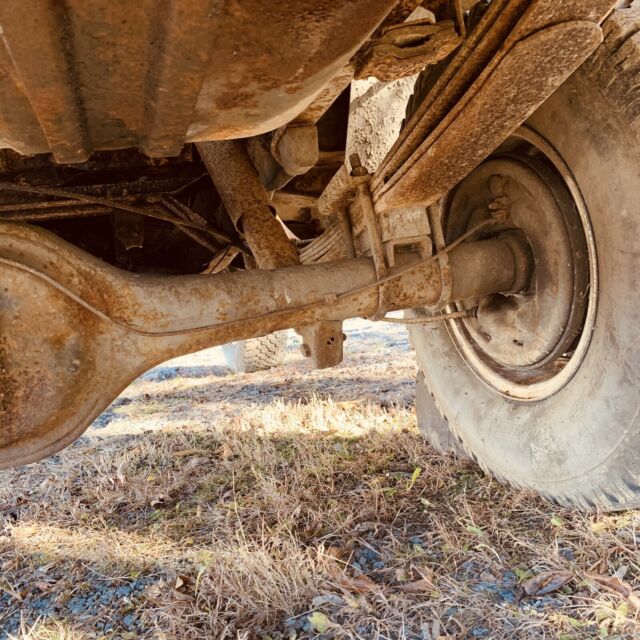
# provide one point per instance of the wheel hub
(519, 341)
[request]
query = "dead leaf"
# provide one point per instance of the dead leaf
(45, 567)
(414, 477)
(184, 583)
(181, 597)
(418, 586)
(161, 502)
(615, 584)
(187, 452)
(327, 599)
(360, 584)
(224, 451)
(155, 590)
(365, 527)
(333, 552)
(546, 582)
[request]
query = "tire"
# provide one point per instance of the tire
(580, 445)
(432, 424)
(256, 354)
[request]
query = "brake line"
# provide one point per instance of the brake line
(467, 313)
(317, 305)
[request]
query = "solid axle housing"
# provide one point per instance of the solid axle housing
(75, 331)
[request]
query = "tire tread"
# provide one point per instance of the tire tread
(258, 354)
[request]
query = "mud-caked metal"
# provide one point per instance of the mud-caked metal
(75, 331)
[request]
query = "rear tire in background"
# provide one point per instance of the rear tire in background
(256, 354)
(571, 432)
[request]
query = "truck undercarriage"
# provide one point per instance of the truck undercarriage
(179, 175)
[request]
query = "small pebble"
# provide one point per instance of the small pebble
(128, 620)
(568, 554)
(509, 578)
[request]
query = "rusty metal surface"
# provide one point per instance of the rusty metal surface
(524, 346)
(323, 343)
(247, 203)
(81, 75)
(339, 193)
(405, 49)
(296, 148)
(473, 56)
(519, 53)
(75, 331)
(329, 246)
(326, 97)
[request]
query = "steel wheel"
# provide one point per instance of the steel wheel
(528, 346)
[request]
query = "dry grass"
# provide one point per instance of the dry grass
(260, 525)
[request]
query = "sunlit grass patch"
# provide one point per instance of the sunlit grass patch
(48, 630)
(294, 519)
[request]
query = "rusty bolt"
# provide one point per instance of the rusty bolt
(499, 205)
(499, 208)
(305, 350)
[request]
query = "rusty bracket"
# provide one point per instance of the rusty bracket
(323, 342)
(349, 194)
(363, 218)
(434, 214)
(405, 49)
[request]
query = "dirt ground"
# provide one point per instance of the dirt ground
(296, 504)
